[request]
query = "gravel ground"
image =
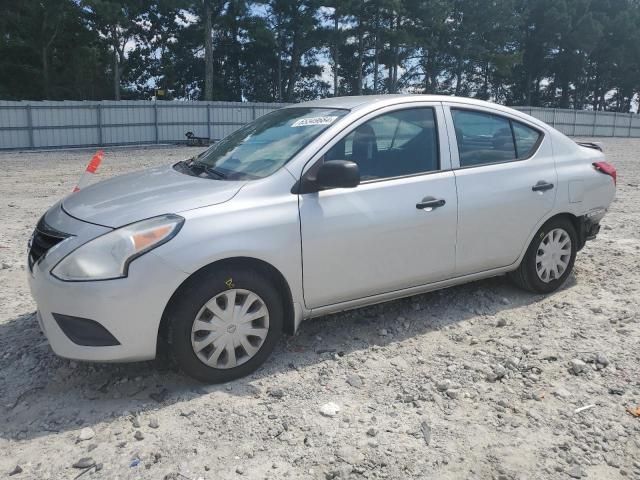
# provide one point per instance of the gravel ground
(480, 381)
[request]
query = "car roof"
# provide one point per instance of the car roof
(372, 102)
(360, 101)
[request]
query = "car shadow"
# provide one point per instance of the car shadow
(36, 385)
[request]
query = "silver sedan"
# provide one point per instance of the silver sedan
(315, 208)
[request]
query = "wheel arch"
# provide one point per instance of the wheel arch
(575, 221)
(249, 263)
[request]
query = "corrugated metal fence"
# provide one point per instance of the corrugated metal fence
(583, 123)
(78, 124)
(81, 124)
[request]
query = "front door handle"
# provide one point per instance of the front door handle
(542, 186)
(431, 203)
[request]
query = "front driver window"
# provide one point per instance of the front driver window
(395, 144)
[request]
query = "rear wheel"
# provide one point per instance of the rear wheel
(549, 258)
(224, 323)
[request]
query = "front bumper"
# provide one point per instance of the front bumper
(129, 308)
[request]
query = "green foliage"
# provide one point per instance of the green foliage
(555, 53)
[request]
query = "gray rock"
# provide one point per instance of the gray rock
(350, 455)
(612, 460)
(354, 380)
(602, 360)
(443, 385)
(138, 435)
(453, 393)
(372, 432)
(399, 362)
(153, 422)
(86, 433)
(577, 366)
(383, 332)
(562, 392)
(135, 421)
(240, 470)
(276, 392)
(84, 462)
(512, 363)
(502, 322)
(330, 409)
(498, 372)
(425, 428)
(16, 470)
(575, 472)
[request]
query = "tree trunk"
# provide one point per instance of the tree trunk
(295, 65)
(564, 98)
(459, 76)
(45, 73)
(360, 57)
(279, 74)
(116, 74)
(376, 53)
(208, 52)
(424, 63)
(393, 86)
(336, 51)
(536, 92)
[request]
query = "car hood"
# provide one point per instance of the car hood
(135, 196)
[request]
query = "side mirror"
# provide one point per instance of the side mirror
(338, 174)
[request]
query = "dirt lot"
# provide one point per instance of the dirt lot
(473, 382)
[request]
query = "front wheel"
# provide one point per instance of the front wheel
(549, 258)
(224, 323)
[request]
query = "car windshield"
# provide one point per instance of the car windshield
(261, 147)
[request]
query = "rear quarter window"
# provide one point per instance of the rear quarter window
(526, 139)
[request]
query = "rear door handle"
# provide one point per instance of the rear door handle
(430, 202)
(542, 186)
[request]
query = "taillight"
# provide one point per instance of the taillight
(607, 169)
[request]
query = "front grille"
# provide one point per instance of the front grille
(43, 239)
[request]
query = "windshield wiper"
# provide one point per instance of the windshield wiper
(183, 165)
(217, 173)
(195, 167)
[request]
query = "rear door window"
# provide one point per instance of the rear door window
(483, 138)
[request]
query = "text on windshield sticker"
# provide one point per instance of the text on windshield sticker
(304, 122)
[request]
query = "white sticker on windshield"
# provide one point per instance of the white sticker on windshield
(304, 122)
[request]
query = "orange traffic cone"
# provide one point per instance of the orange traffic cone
(91, 169)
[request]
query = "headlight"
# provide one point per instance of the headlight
(108, 257)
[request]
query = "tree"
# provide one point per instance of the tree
(116, 22)
(47, 52)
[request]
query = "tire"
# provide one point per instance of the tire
(212, 290)
(527, 275)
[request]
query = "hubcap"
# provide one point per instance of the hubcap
(230, 328)
(553, 255)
